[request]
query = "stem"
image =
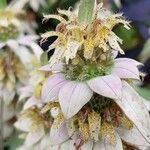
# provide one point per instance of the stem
(1, 123)
(3, 4)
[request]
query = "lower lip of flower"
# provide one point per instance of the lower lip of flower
(9, 32)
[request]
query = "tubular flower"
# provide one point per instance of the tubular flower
(75, 38)
(18, 47)
(31, 92)
(99, 106)
(32, 123)
(13, 34)
(12, 73)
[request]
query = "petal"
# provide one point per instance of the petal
(52, 86)
(8, 112)
(72, 48)
(126, 69)
(114, 54)
(7, 130)
(73, 96)
(27, 39)
(23, 124)
(113, 42)
(102, 145)
(147, 104)
(25, 92)
(58, 134)
(8, 96)
(108, 86)
(128, 60)
(132, 105)
(45, 142)
(132, 136)
(32, 101)
(33, 137)
(24, 54)
(56, 67)
(87, 146)
(36, 49)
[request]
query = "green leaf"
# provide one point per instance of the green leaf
(44, 58)
(3, 4)
(86, 11)
(14, 142)
(144, 92)
(145, 52)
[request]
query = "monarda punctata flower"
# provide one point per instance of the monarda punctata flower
(17, 47)
(90, 89)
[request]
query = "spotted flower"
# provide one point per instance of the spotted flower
(12, 75)
(17, 48)
(31, 92)
(92, 86)
(13, 34)
(75, 38)
(32, 123)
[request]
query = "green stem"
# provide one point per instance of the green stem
(3, 4)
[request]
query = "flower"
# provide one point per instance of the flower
(31, 92)
(32, 123)
(15, 34)
(17, 48)
(74, 37)
(73, 95)
(98, 106)
(12, 75)
(104, 123)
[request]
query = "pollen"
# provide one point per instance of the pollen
(128, 124)
(107, 132)
(84, 130)
(94, 121)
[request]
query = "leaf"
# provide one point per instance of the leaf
(86, 10)
(44, 58)
(3, 4)
(145, 54)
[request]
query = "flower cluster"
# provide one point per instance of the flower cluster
(88, 99)
(17, 48)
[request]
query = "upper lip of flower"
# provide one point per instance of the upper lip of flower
(75, 33)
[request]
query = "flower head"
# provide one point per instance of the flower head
(88, 101)
(75, 38)
(92, 85)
